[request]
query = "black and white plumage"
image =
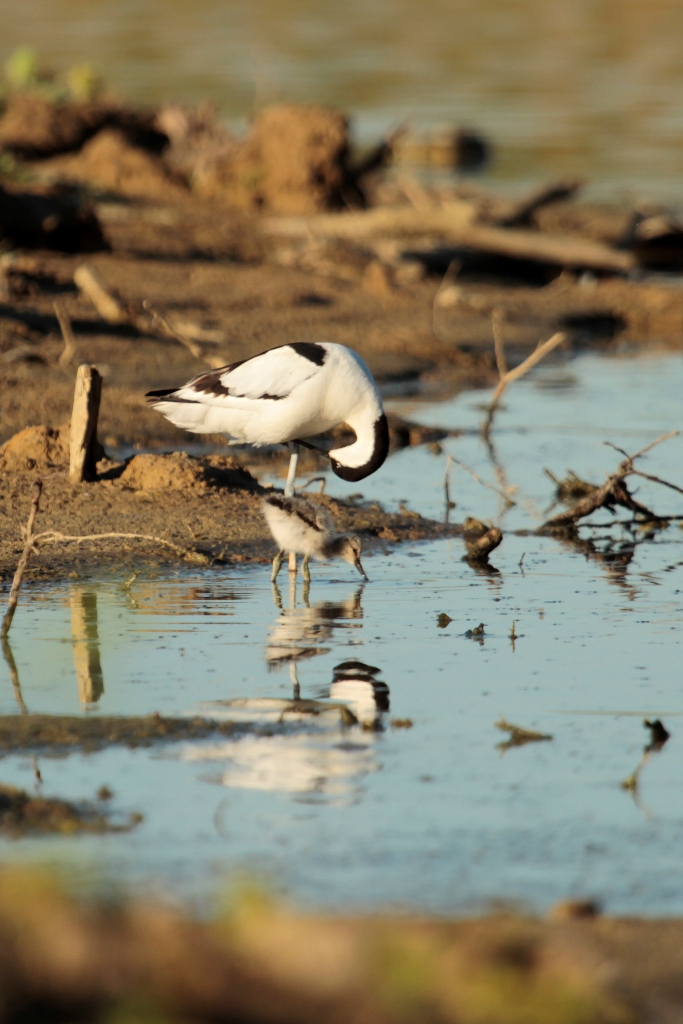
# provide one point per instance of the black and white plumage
(355, 685)
(284, 394)
(304, 528)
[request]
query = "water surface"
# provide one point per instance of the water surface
(437, 816)
(560, 86)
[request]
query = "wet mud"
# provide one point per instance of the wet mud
(58, 734)
(24, 815)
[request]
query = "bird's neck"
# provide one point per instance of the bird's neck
(333, 548)
(369, 450)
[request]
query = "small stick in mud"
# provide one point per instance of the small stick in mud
(144, 318)
(491, 487)
(83, 438)
(613, 492)
(507, 378)
(29, 542)
(447, 489)
(175, 331)
(54, 537)
(69, 351)
(91, 284)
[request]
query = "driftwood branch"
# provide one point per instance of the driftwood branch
(29, 542)
(613, 492)
(455, 221)
(522, 213)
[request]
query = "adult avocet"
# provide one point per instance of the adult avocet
(284, 394)
(303, 528)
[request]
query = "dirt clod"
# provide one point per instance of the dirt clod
(36, 448)
(293, 161)
(111, 162)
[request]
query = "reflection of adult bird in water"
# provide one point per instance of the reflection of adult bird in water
(304, 528)
(354, 684)
(284, 394)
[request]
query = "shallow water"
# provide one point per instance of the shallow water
(436, 816)
(560, 86)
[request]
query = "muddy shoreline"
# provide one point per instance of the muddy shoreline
(207, 524)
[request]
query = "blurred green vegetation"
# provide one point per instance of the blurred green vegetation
(25, 71)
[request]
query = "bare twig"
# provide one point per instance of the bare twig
(29, 542)
(613, 492)
(191, 346)
(13, 674)
(69, 351)
(143, 317)
(497, 321)
(55, 537)
(647, 448)
(491, 487)
(519, 371)
(313, 480)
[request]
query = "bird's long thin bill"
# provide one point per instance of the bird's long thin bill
(313, 448)
(361, 570)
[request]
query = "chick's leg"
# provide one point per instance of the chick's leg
(277, 565)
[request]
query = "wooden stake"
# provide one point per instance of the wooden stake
(83, 441)
(23, 562)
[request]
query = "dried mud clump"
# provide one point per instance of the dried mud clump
(111, 162)
(180, 472)
(293, 161)
(34, 127)
(22, 814)
(36, 448)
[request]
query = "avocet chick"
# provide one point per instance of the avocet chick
(300, 526)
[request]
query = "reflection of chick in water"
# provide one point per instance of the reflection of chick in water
(354, 684)
(298, 631)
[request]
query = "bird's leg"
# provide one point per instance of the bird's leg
(305, 571)
(291, 474)
(277, 565)
(289, 491)
(277, 596)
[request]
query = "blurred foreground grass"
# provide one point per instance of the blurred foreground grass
(125, 961)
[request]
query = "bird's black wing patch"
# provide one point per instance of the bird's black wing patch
(309, 350)
(211, 382)
(164, 393)
(290, 509)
